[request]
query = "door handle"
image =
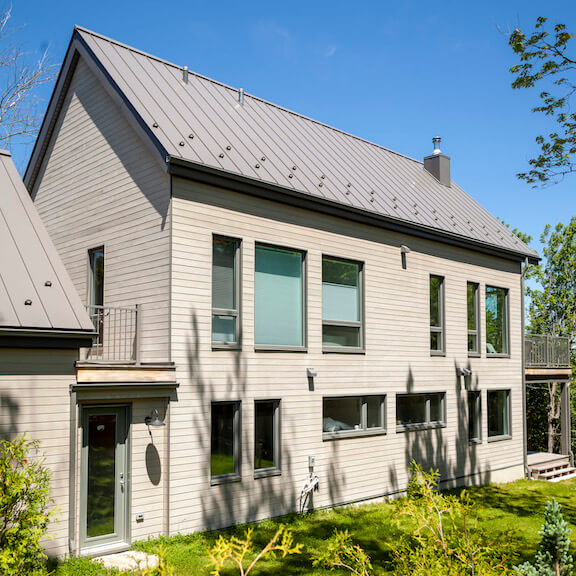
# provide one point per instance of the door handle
(122, 483)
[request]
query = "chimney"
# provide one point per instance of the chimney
(438, 164)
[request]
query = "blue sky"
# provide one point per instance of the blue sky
(396, 73)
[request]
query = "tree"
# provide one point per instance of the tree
(19, 81)
(553, 556)
(544, 61)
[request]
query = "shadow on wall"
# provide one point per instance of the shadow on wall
(250, 499)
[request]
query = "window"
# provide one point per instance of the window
(474, 417)
(473, 308)
(498, 414)
(341, 304)
(96, 277)
(436, 314)
(266, 437)
(225, 441)
(279, 298)
(225, 291)
(419, 410)
(352, 415)
(496, 320)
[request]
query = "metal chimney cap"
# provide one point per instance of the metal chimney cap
(436, 141)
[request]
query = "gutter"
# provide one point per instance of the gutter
(525, 423)
(221, 178)
(48, 338)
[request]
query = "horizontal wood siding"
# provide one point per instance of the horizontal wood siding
(100, 186)
(397, 360)
(34, 400)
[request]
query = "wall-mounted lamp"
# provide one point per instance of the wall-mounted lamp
(156, 422)
(311, 373)
(403, 251)
(463, 372)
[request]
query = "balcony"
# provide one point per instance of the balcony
(118, 339)
(547, 358)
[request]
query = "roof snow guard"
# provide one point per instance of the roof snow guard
(203, 127)
(37, 297)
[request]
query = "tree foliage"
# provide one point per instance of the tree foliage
(24, 499)
(340, 553)
(544, 61)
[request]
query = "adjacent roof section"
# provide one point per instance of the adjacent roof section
(36, 293)
(207, 124)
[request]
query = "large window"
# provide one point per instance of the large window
(266, 437)
(341, 304)
(279, 298)
(473, 314)
(436, 314)
(225, 291)
(225, 441)
(419, 410)
(496, 320)
(474, 417)
(350, 415)
(498, 414)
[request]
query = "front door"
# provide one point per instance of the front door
(104, 481)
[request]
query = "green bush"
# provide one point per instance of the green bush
(24, 499)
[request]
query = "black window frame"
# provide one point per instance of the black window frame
(236, 476)
(364, 430)
(428, 423)
(441, 330)
(275, 470)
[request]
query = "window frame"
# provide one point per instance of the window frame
(91, 276)
(477, 414)
(506, 330)
(428, 424)
(508, 435)
(282, 347)
(235, 476)
(476, 331)
(237, 313)
(360, 349)
(276, 470)
(441, 313)
(364, 431)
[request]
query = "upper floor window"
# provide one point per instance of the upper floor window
(496, 320)
(279, 298)
(473, 309)
(437, 315)
(96, 277)
(225, 291)
(341, 303)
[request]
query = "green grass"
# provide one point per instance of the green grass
(518, 507)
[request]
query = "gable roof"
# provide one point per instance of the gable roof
(201, 124)
(36, 294)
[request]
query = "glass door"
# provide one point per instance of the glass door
(104, 486)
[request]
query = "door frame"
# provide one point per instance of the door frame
(122, 536)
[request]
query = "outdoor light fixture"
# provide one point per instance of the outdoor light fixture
(156, 422)
(463, 372)
(403, 251)
(311, 373)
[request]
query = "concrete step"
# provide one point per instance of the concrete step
(555, 475)
(552, 465)
(566, 477)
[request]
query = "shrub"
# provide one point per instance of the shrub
(24, 498)
(340, 552)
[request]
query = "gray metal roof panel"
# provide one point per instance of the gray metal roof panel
(329, 163)
(35, 290)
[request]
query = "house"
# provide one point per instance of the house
(277, 303)
(43, 324)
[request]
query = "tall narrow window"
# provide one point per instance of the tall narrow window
(279, 298)
(96, 278)
(266, 437)
(341, 304)
(225, 291)
(474, 417)
(436, 314)
(498, 413)
(225, 441)
(496, 320)
(473, 308)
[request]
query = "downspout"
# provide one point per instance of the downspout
(525, 424)
(72, 542)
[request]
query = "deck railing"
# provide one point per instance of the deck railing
(118, 337)
(543, 351)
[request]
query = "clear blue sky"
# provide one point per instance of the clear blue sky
(393, 72)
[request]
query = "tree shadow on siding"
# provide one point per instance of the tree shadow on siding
(249, 499)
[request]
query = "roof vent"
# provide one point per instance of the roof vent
(241, 96)
(185, 74)
(438, 164)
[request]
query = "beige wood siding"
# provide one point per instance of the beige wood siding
(397, 360)
(100, 185)
(34, 400)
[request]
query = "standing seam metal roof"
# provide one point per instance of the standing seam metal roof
(203, 123)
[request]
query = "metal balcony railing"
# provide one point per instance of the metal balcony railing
(118, 336)
(543, 351)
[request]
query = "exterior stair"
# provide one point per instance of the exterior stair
(552, 468)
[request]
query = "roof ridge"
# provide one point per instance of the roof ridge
(246, 94)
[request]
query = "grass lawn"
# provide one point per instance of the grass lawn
(518, 507)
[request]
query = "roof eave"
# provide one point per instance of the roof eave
(11, 337)
(218, 177)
